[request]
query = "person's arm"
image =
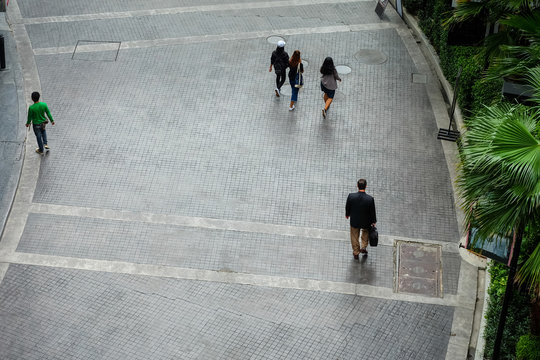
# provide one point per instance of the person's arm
(272, 61)
(28, 120)
(373, 213)
(348, 207)
(336, 75)
(49, 114)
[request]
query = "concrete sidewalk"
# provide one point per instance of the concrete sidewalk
(12, 130)
(184, 212)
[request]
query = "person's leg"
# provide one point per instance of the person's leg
(277, 85)
(294, 94)
(365, 240)
(44, 137)
(281, 81)
(355, 232)
(327, 103)
(37, 132)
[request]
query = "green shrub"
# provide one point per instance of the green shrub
(451, 60)
(528, 348)
(413, 6)
(486, 92)
(430, 21)
(517, 321)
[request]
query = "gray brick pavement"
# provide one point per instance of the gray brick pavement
(178, 130)
(194, 130)
(77, 314)
(35, 8)
(219, 250)
(202, 23)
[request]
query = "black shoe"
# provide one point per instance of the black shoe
(355, 257)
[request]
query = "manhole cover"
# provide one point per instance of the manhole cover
(343, 69)
(274, 39)
(419, 78)
(419, 269)
(370, 56)
(96, 50)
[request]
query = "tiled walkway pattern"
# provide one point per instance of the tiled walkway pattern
(194, 130)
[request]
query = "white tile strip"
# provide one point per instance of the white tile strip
(181, 10)
(138, 44)
(221, 224)
(120, 267)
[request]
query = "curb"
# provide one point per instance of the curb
(14, 68)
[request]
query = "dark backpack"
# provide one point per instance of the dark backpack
(281, 62)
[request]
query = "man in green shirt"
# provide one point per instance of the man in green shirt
(36, 117)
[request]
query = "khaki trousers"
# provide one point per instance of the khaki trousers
(355, 234)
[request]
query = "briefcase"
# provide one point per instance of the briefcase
(373, 236)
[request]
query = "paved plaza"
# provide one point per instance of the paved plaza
(184, 213)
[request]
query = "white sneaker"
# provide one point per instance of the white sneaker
(277, 92)
(292, 108)
(324, 113)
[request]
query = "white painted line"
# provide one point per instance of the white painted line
(139, 44)
(181, 10)
(221, 224)
(119, 267)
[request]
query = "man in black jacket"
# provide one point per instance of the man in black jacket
(360, 208)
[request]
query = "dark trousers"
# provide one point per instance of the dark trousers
(280, 80)
(41, 135)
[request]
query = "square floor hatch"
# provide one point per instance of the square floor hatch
(418, 268)
(91, 50)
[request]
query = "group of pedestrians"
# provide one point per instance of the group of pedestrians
(360, 207)
(280, 61)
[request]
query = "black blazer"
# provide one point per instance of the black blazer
(361, 208)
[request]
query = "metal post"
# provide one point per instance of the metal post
(449, 134)
(509, 292)
(2, 53)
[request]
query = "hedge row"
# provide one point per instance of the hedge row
(474, 92)
(517, 321)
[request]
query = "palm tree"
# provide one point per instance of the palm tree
(500, 182)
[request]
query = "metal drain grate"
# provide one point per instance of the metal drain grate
(418, 268)
(91, 50)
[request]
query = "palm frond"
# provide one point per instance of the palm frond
(527, 24)
(466, 11)
(533, 77)
(500, 169)
(529, 273)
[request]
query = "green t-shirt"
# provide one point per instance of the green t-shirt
(36, 113)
